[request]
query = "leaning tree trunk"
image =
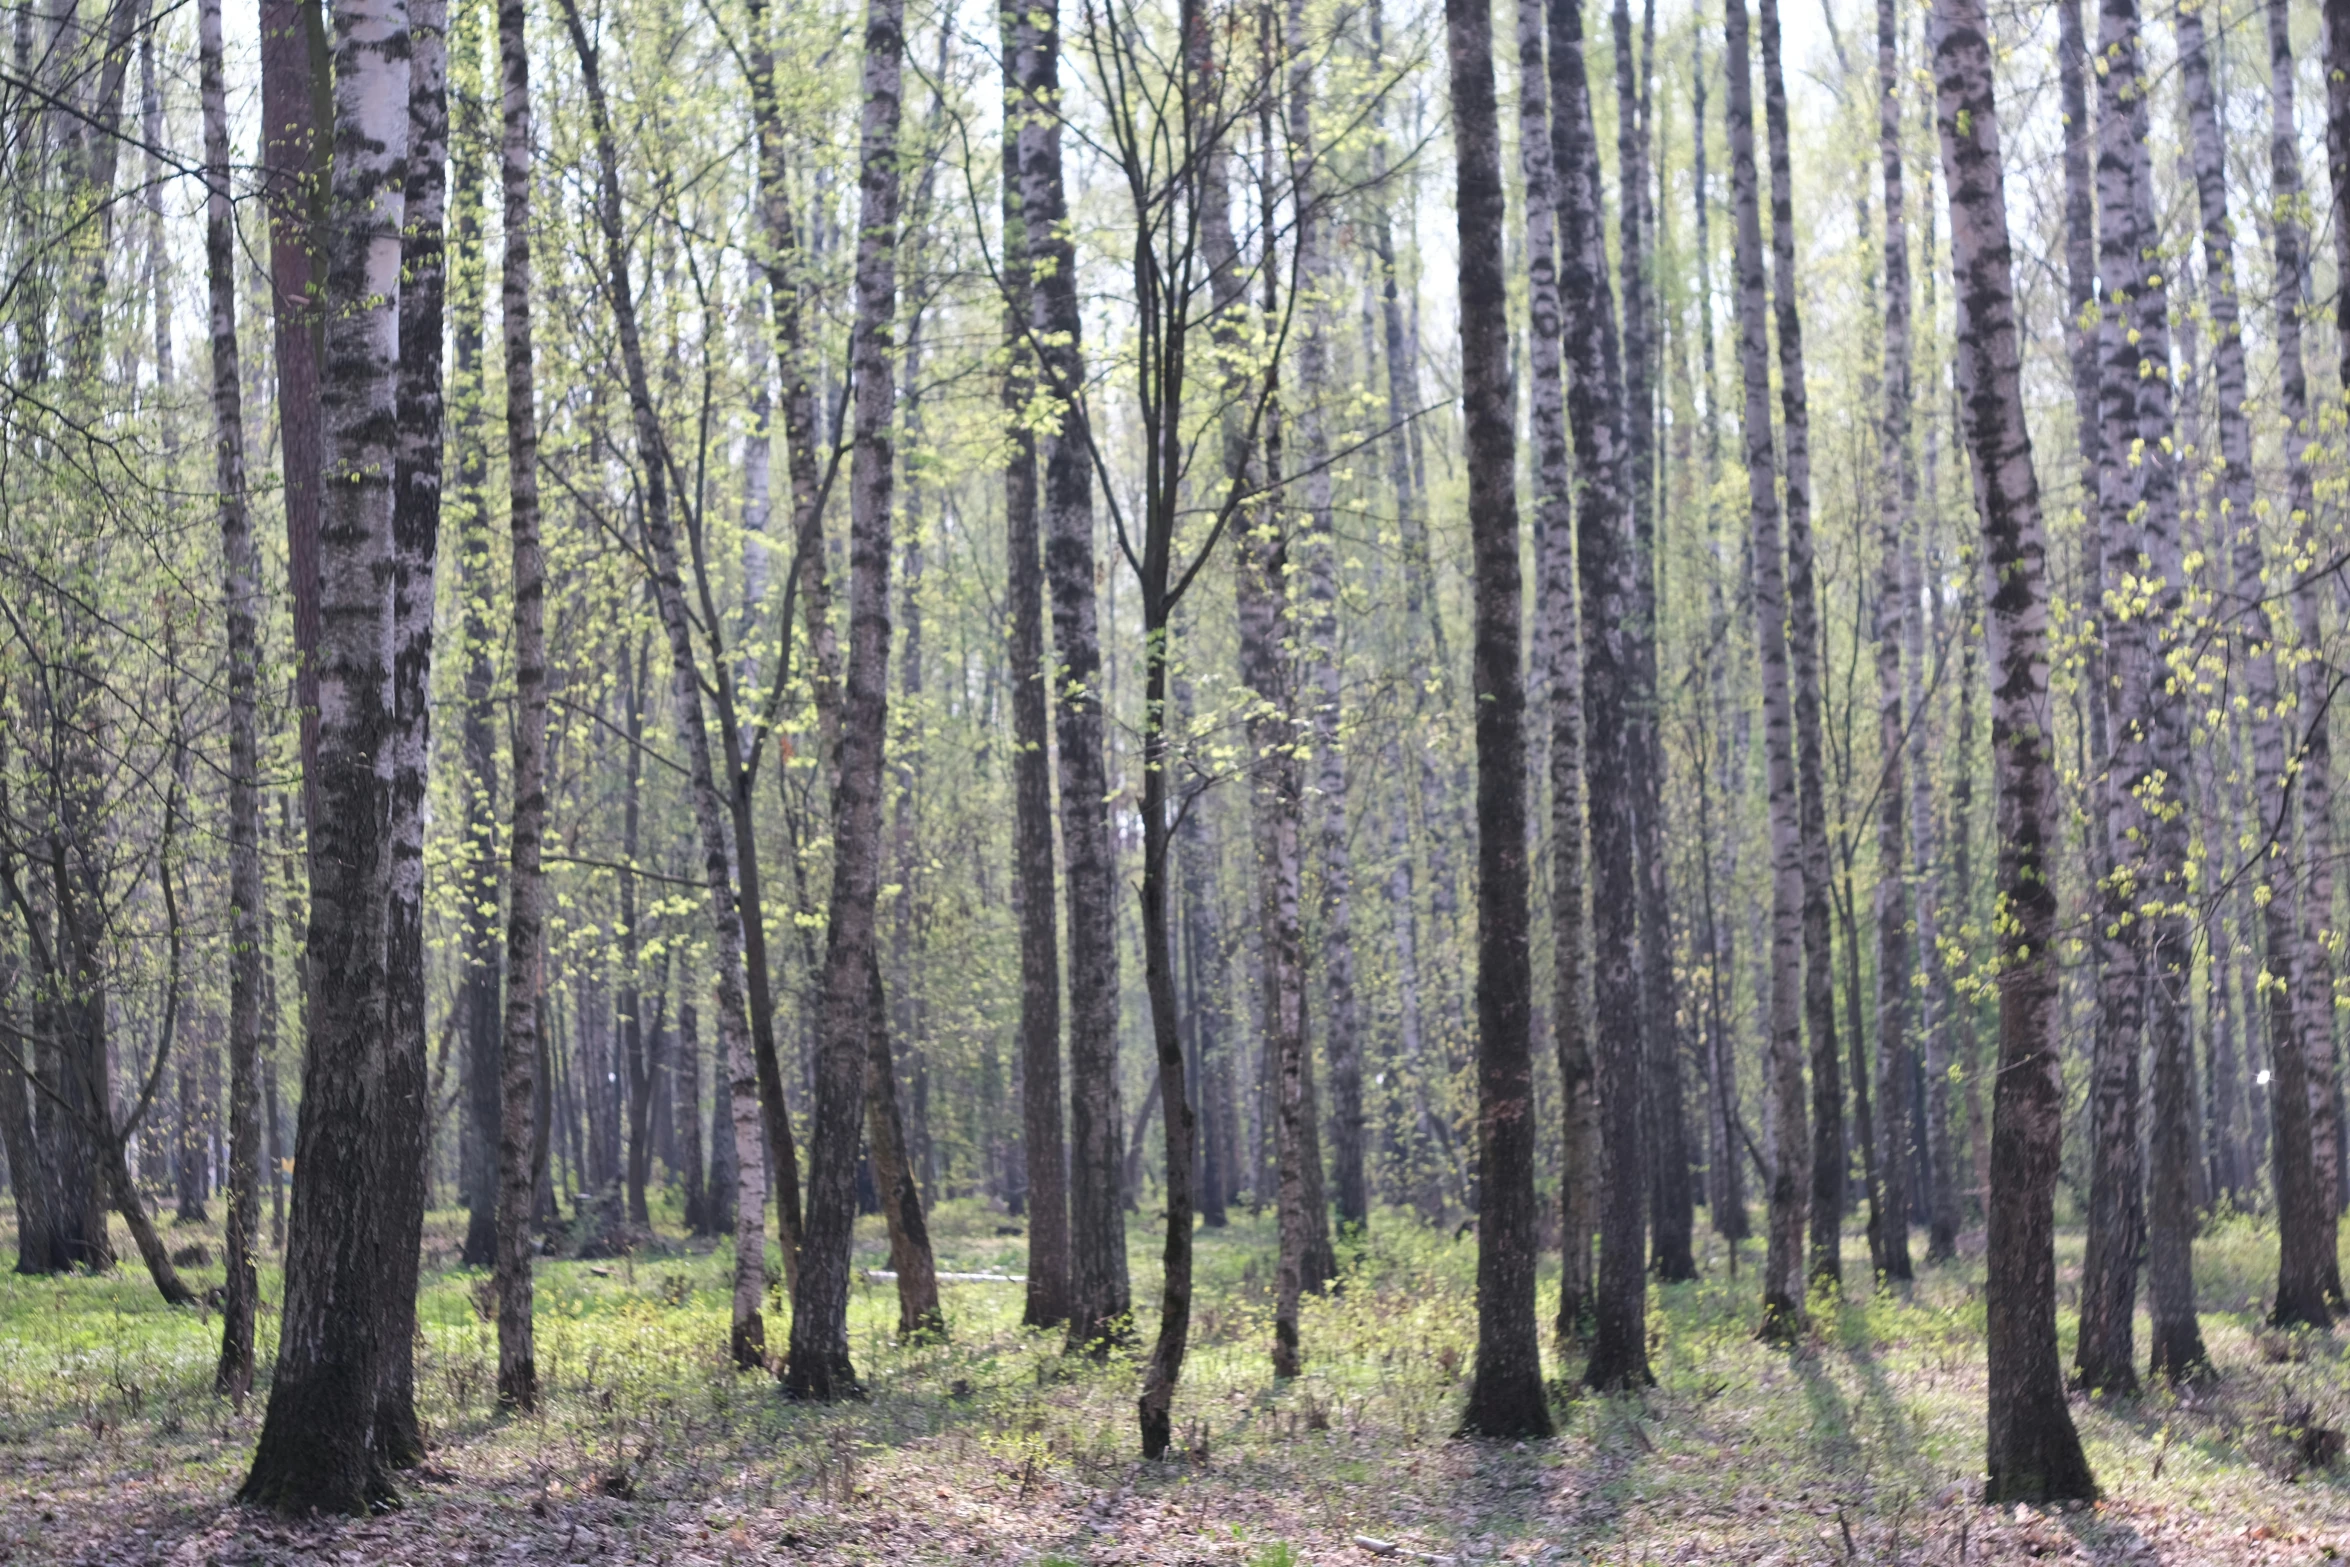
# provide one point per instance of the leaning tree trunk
(747, 1337)
(316, 1448)
(1783, 1287)
(519, 1087)
(1554, 522)
(820, 1367)
(1043, 1159)
(1897, 484)
(1803, 634)
(1099, 1295)
(240, 589)
(1595, 415)
(1505, 1395)
(2033, 1452)
(416, 528)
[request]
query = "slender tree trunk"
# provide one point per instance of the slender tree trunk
(819, 1366)
(1606, 578)
(1554, 526)
(1828, 1157)
(2313, 776)
(482, 947)
(416, 526)
(521, 1089)
(1335, 938)
(1671, 1222)
(1505, 1395)
(1783, 1287)
(317, 1445)
(2033, 1452)
(1099, 1295)
(1044, 1160)
(240, 590)
(919, 1315)
(1896, 500)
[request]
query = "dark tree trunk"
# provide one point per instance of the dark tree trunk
(1505, 1397)
(1043, 1159)
(2033, 1454)
(1099, 1295)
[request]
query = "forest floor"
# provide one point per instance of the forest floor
(1863, 1444)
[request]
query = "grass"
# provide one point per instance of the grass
(1864, 1443)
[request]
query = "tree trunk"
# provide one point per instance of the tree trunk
(522, 1092)
(819, 1366)
(1595, 415)
(1671, 1223)
(1783, 1287)
(1099, 1295)
(2033, 1452)
(2315, 1004)
(1554, 525)
(1335, 939)
(1896, 500)
(1044, 1159)
(1505, 1395)
(482, 947)
(240, 590)
(1828, 1157)
(747, 1336)
(316, 1448)
(919, 1315)
(416, 527)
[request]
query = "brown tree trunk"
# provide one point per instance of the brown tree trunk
(2033, 1452)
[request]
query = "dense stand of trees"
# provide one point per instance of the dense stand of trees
(1216, 538)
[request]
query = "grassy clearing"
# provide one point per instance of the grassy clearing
(1863, 1445)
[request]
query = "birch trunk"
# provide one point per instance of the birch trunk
(520, 1137)
(416, 528)
(2033, 1453)
(819, 1366)
(240, 590)
(317, 1446)
(1554, 526)
(1606, 580)
(1828, 1157)
(1783, 1286)
(1896, 501)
